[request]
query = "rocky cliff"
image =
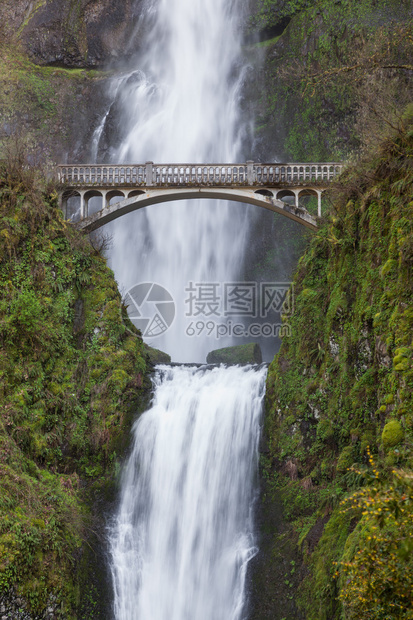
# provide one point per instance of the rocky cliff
(53, 70)
(337, 456)
(71, 33)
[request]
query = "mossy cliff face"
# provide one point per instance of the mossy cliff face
(340, 402)
(72, 371)
(331, 72)
(51, 109)
(52, 80)
(74, 33)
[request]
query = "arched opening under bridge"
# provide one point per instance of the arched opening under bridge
(115, 203)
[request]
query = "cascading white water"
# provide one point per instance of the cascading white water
(182, 537)
(183, 534)
(180, 105)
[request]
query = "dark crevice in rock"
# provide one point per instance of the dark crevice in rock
(274, 31)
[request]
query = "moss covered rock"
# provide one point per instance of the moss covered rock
(76, 33)
(156, 356)
(392, 434)
(345, 460)
(323, 73)
(241, 354)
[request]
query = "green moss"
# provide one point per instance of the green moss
(313, 102)
(318, 595)
(71, 374)
(39, 101)
(345, 460)
(157, 357)
(333, 382)
(240, 354)
(392, 434)
(30, 15)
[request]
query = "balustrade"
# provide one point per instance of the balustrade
(170, 175)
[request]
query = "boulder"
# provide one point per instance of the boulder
(240, 354)
(156, 356)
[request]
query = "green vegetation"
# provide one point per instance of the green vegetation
(40, 102)
(376, 572)
(392, 434)
(335, 77)
(269, 13)
(340, 398)
(72, 372)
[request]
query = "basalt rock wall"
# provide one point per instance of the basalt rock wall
(71, 33)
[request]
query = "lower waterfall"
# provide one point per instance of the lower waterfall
(183, 535)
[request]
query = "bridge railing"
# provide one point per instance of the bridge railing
(167, 175)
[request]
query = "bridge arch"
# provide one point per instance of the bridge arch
(135, 192)
(265, 192)
(308, 191)
(154, 196)
(286, 193)
(114, 193)
(91, 205)
(71, 202)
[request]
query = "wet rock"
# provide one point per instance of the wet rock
(241, 354)
(157, 357)
(86, 33)
(382, 355)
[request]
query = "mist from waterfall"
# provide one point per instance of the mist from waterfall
(180, 104)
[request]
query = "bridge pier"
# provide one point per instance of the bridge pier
(83, 204)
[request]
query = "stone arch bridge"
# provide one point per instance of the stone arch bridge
(93, 195)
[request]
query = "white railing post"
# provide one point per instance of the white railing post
(149, 173)
(250, 172)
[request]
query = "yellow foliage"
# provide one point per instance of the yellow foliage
(376, 573)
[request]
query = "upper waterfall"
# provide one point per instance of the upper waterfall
(180, 102)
